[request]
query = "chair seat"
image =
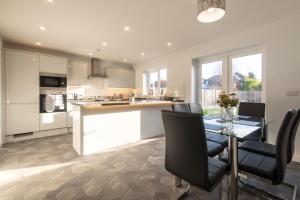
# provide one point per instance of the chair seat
(255, 136)
(218, 138)
(259, 165)
(259, 147)
(214, 148)
(216, 170)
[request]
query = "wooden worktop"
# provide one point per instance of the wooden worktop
(127, 105)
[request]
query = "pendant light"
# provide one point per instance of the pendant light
(210, 10)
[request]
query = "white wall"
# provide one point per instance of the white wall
(281, 42)
(1, 94)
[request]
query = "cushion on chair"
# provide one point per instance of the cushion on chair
(216, 170)
(215, 137)
(259, 147)
(214, 148)
(256, 164)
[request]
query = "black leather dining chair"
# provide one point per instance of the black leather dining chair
(181, 107)
(252, 109)
(271, 168)
(213, 148)
(255, 110)
(196, 108)
(270, 149)
(210, 136)
(186, 154)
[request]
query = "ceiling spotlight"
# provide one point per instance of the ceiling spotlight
(169, 44)
(125, 60)
(104, 44)
(127, 28)
(90, 53)
(38, 43)
(50, 1)
(210, 11)
(42, 28)
(143, 54)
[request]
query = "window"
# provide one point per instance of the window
(145, 83)
(247, 77)
(238, 73)
(155, 82)
(163, 81)
(211, 85)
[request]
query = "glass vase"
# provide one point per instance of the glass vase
(228, 115)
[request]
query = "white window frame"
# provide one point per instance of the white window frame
(227, 83)
(147, 73)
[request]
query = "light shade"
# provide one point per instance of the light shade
(210, 10)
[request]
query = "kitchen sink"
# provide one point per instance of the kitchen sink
(115, 104)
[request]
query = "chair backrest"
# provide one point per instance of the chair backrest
(252, 109)
(181, 107)
(186, 148)
(281, 144)
(292, 136)
(196, 108)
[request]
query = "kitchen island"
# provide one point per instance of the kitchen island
(100, 126)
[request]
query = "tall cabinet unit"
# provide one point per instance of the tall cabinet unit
(22, 92)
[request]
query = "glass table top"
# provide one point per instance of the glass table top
(241, 126)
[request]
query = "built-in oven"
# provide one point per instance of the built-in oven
(53, 100)
(53, 81)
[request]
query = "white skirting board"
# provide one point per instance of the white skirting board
(39, 134)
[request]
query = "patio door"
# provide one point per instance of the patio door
(247, 74)
(239, 73)
(213, 75)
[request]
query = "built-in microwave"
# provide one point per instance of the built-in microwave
(53, 81)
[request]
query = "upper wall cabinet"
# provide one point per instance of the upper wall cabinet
(120, 77)
(22, 77)
(51, 64)
(77, 73)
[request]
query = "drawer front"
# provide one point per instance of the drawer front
(53, 120)
(22, 118)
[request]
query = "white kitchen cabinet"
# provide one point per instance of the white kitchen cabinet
(51, 64)
(78, 73)
(22, 118)
(53, 120)
(69, 115)
(120, 78)
(22, 77)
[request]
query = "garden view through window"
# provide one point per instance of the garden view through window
(247, 77)
(244, 79)
(211, 86)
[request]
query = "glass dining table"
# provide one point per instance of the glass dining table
(239, 129)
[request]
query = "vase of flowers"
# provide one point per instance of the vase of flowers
(228, 102)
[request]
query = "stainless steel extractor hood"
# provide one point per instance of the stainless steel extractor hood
(97, 70)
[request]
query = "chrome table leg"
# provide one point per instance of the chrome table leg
(233, 160)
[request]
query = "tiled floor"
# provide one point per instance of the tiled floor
(50, 169)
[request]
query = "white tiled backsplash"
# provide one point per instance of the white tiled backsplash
(97, 87)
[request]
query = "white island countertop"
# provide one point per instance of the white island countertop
(118, 105)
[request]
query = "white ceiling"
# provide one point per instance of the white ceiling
(80, 26)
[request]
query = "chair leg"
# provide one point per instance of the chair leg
(220, 190)
(185, 193)
(178, 181)
(294, 188)
(263, 194)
